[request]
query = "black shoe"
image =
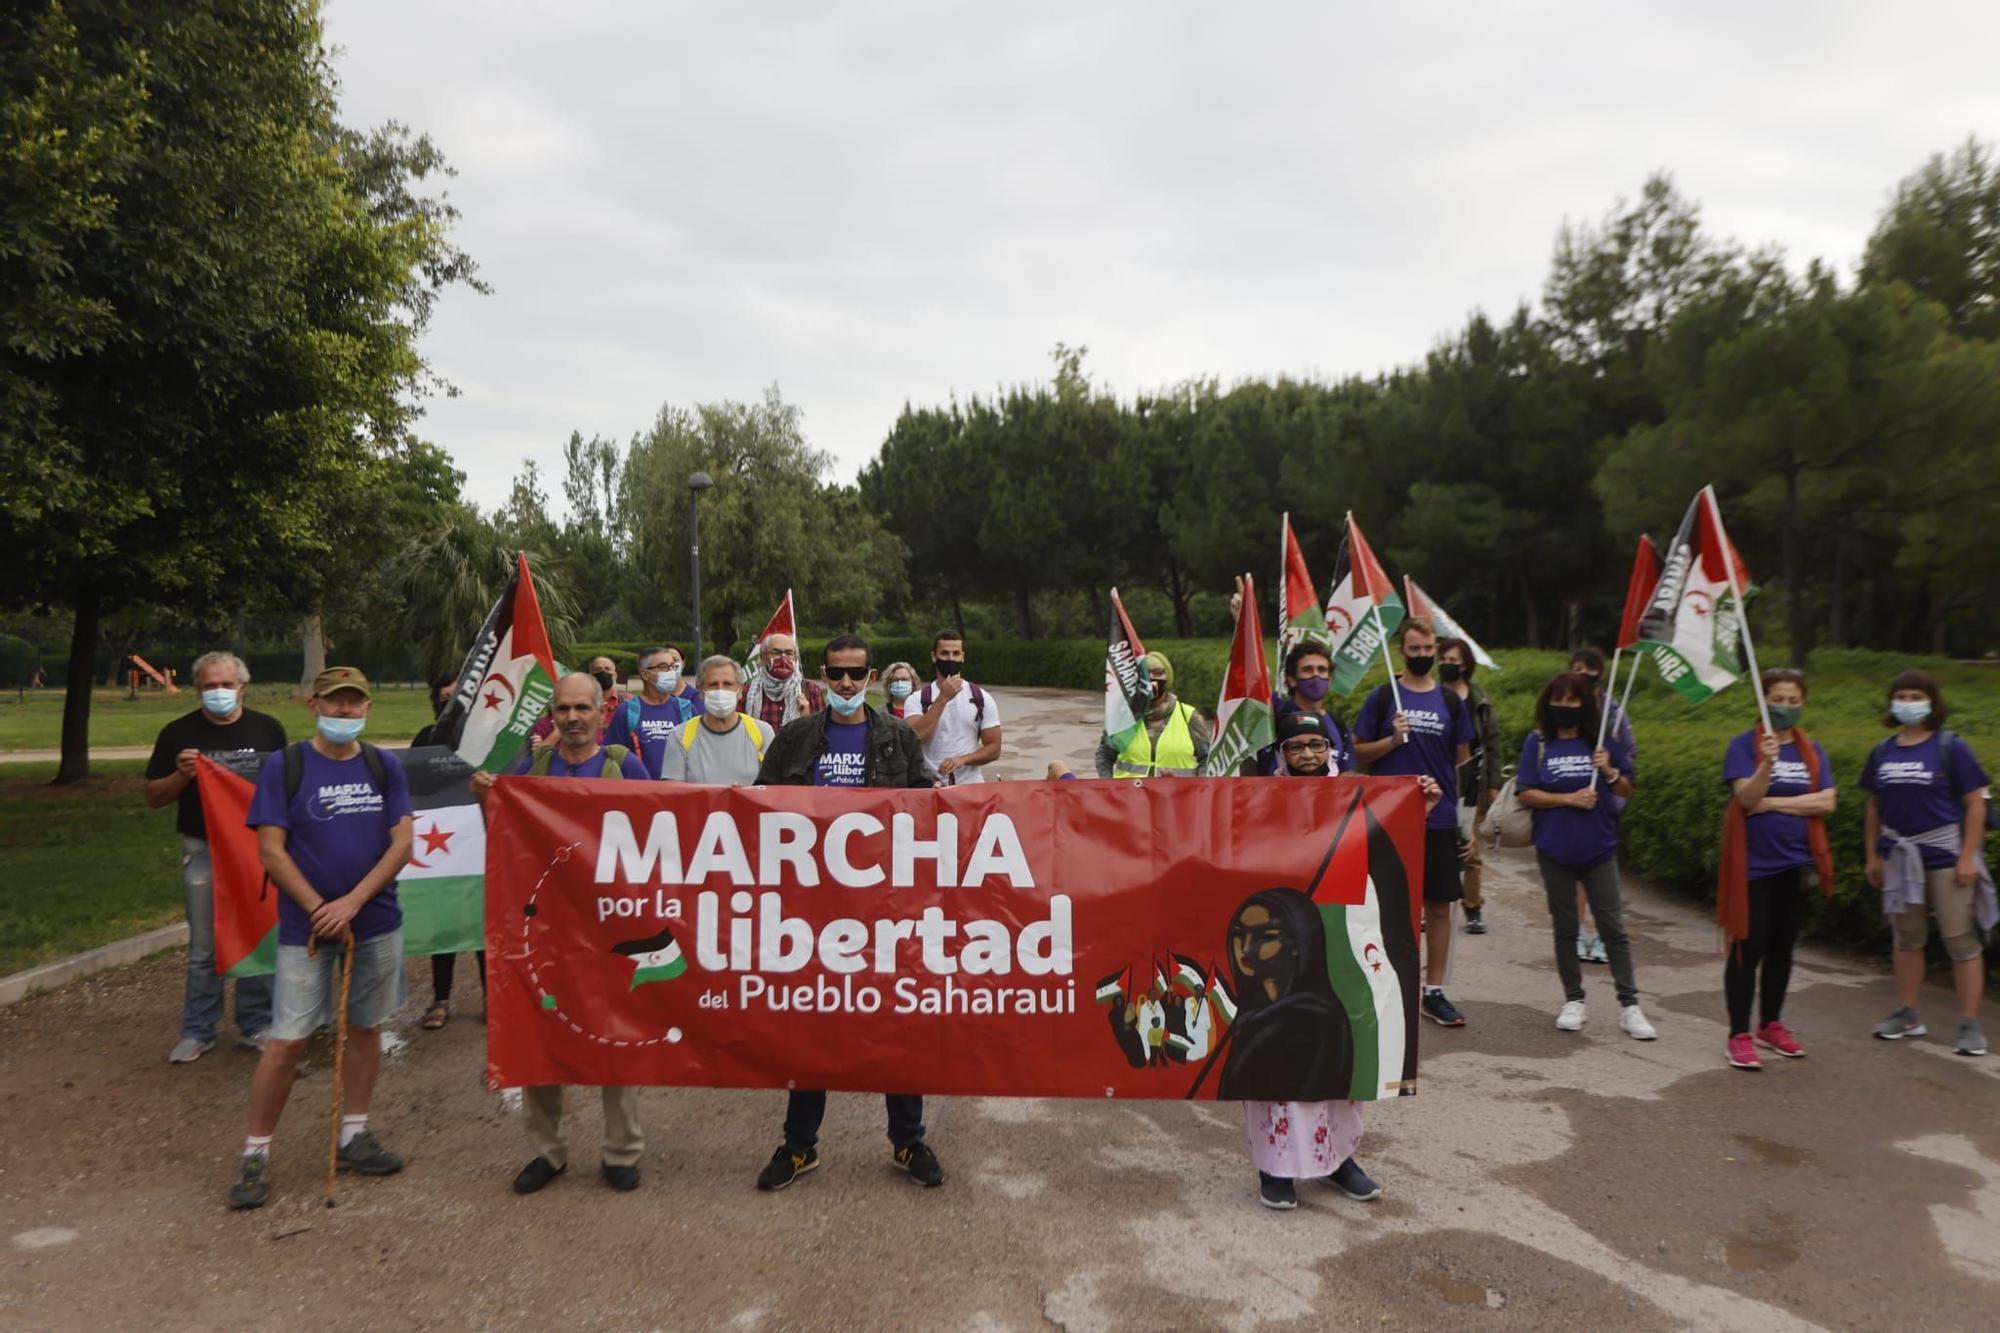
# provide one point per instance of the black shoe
(1352, 1181)
(536, 1174)
(786, 1165)
(621, 1177)
(253, 1187)
(921, 1163)
(1474, 923)
(1442, 1011)
(368, 1157)
(1277, 1192)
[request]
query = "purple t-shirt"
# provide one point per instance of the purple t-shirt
(1566, 835)
(1916, 789)
(1776, 841)
(559, 767)
(1438, 726)
(657, 725)
(846, 755)
(336, 829)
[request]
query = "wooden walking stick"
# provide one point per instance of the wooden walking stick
(339, 1061)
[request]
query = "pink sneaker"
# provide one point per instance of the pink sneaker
(1743, 1052)
(1774, 1035)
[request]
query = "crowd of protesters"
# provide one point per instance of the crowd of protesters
(333, 821)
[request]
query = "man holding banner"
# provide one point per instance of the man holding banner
(578, 702)
(848, 744)
(333, 824)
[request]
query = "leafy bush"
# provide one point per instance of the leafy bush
(18, 661)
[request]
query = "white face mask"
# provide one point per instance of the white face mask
(667, 681)
(719, 704)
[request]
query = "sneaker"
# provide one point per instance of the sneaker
(364, 1155)
(253, 1187)
(1903, 1023)
(786, 1165)
(1355, 1183)
(1775, 1035)
(188, 1050)
(1971, 1039)
(921, 1163)
(1743, 1052)
(537, 1174)
(1633, 1021)
(1277, 1192)
(1442, 1011)
(1598, 953)
(253, 1041)
(621, 1177)
(1475, 923)
(1583, 947)
(1571, 1018)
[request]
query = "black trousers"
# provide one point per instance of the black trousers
(805, 1110)
(443, 965)
(1777, 905)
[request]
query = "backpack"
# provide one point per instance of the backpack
(614, 761)
(929, 692)
(632, 702)
(295, 769)
(751, 725)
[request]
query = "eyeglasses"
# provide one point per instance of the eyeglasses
(781, 652)
(1306, 747)
(847, 672)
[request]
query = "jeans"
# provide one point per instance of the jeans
(201, 1003)
(805, 1110)
(1600, 885)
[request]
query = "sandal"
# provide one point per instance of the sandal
(436, 1016)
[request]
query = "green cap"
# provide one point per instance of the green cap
(340, 678)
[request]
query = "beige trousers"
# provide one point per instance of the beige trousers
(623, 1139)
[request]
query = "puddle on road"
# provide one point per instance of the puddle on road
(1459, 1292)
(1761, 1251)
(1774, 1152)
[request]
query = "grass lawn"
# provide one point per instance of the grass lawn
(116, 719)
(84, 865)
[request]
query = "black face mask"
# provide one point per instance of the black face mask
(945, 668)
(1564, 716)
(607, 679)
(1419, 666)
(1450, 671)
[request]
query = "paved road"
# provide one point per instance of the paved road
(96, 753)
(1540, 1180)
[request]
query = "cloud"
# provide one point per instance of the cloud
(877, 203)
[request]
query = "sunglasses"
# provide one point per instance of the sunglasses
(846, 672)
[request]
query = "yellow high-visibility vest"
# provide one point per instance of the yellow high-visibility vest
(1172, 756)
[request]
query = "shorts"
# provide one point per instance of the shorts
(308, 988)
(1441, 883)
(1957, 926)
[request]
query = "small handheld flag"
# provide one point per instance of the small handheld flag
(1422, 604)
(1128, 690)
(1243, 723)
(506, 681)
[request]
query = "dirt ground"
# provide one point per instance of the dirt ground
(1541, 1180)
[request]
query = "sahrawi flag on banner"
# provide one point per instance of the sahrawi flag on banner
(442, 890)
(507, 680)
(1422, 603)
(1127, 688)
(1691, 626)
(1243, 714)
(1362, 609)
(1299, 616)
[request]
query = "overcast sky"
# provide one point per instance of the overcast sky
(869, 204)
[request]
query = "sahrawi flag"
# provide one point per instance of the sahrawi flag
(1691, 626)
(655, 958)
(1299, 616)
(442, 890)
(1243, 714)
(1358, 964)
(1361, 610)
(1422, 603)
(784, 620)
(507, 680)
(1127, 688)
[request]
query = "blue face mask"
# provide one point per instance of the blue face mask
(666, 682)
(218, 703)
(844, 706)
(341, 730)
(1910, 712)
(899, 689)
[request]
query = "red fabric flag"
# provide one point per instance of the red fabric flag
(246, 906)
(1713, 538)
(1638, 591)
(782, 621)
(1367, 570)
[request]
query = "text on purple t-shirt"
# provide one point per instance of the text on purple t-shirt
(1567, 835)
(336, 829)
(1437, 728)
(1776, 841)
(843, 763)
(1916, 789)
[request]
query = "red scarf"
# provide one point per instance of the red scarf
(1732, 879)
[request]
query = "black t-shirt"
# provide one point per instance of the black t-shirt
(252, 733)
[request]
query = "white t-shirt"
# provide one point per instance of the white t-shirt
(958, 729)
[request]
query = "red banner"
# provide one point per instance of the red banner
(1229, 937)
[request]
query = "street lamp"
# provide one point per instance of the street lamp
(697, 483)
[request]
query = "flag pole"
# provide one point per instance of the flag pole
(1604, 717)
(1736, 592)
(1375, 607)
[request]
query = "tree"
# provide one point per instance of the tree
(444, 580)
(206, 316)
(1941, 235)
